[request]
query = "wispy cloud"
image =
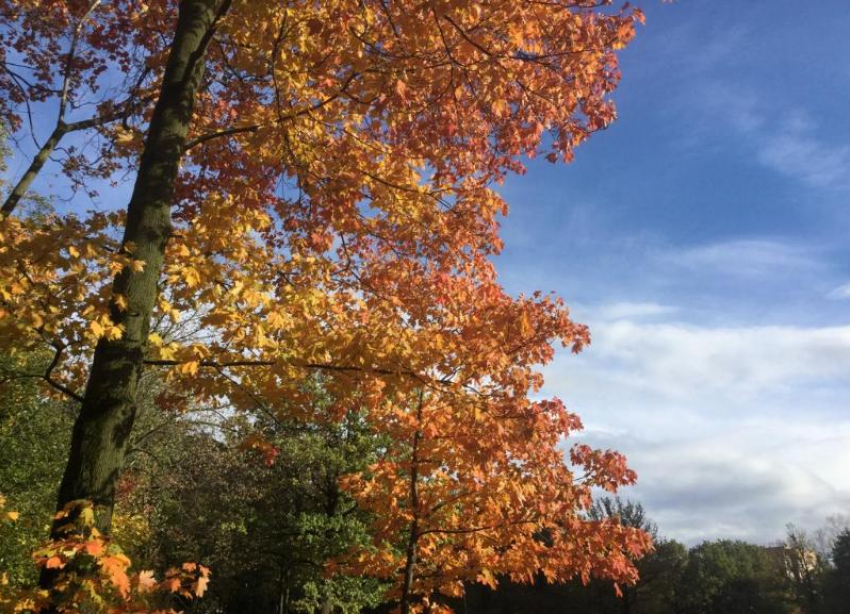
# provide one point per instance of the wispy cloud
(628, 310)
(787, 141)
(745, 257)
(793, 149)
(780, 136)
(736, 105)
(842, 292)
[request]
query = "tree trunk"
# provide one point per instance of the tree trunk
(413, 540)
(409, 568)
(102, 430)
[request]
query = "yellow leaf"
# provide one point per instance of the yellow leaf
(192, 277)
(13, 515)
(123, 136)
(188, 368)
(87, 516)
(96, 328)
(120, 302)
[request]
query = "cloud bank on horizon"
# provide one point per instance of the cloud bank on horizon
(704, 239)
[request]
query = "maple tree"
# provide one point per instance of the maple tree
(313, 193)
(484, 493)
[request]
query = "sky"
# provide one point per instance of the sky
(704, 238)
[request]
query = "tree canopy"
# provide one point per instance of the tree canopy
(313, 197)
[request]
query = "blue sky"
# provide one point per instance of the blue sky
(704, 237)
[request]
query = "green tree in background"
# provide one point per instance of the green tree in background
(837, 581)
(660, 570)
(195, 487)
(731, 577)
(34, 439)
(268, 520)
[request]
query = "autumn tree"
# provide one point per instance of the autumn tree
(806, 569)
(483, 491)
(312, 191)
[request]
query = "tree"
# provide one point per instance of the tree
(659, 570)
(490, 497)
(805, 568)
(825, 537)
(34, 437)
(268, 529)
(837, 586)
(660, 577)
(729, 577)
(386, 123)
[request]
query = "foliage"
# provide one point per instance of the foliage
(386, 124)
(266, 519)
(837, 579)
(471, 501)
(384, 235)
(92, 575)
(34, 436)
(659, 571)
(732, 576)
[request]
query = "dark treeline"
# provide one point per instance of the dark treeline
(800, 575)
(269, 526)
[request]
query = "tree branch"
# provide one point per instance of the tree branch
(62, 128)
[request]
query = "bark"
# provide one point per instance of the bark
(409, 568)
(412, 542)
(102, 429)
(35, 166)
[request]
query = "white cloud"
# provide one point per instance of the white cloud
(727, 486)
(734, 431)
(680, 360)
